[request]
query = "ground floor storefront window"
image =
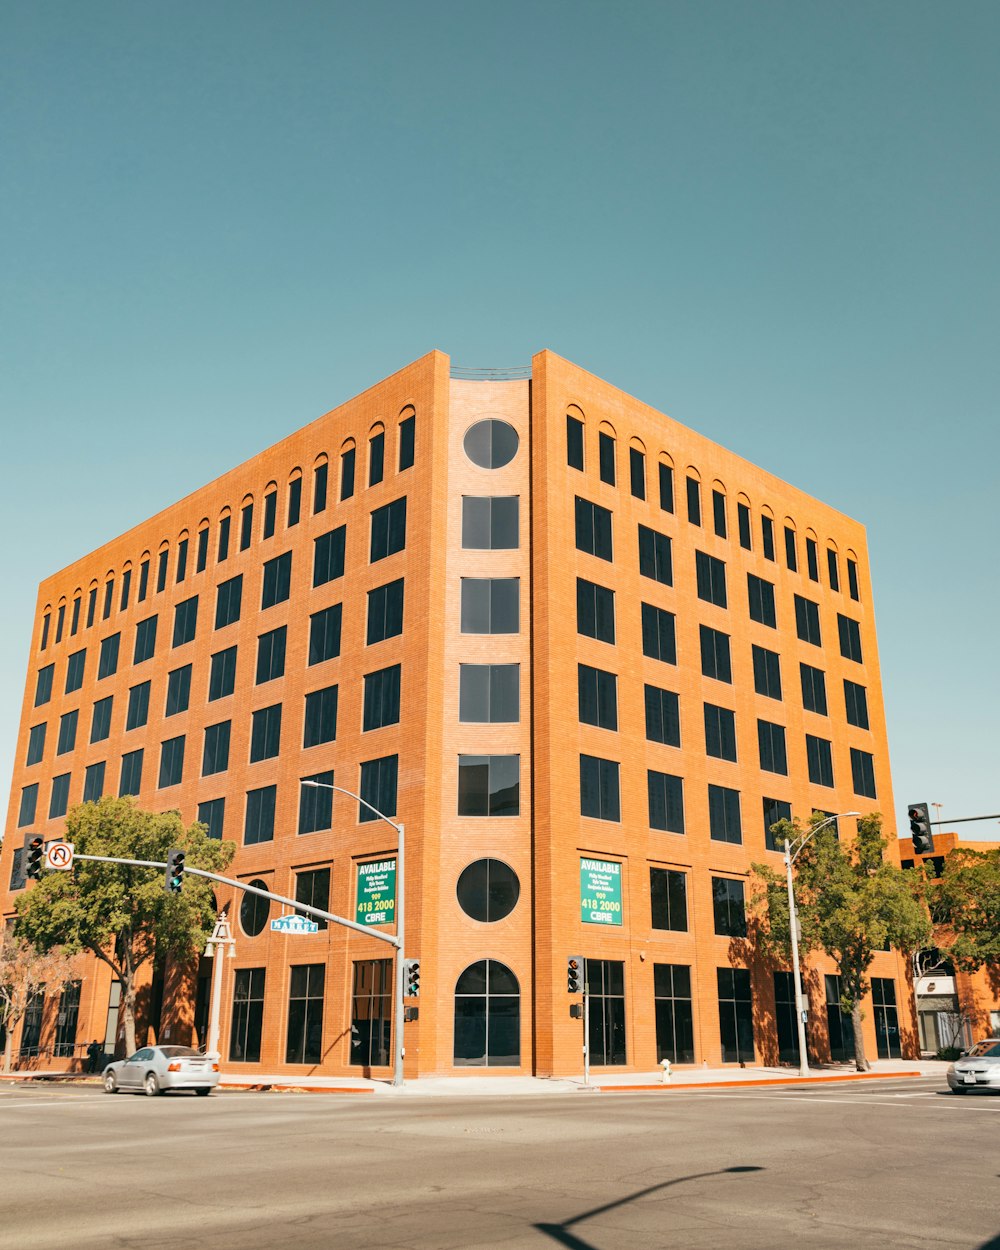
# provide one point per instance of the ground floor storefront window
(371, 1013)
(605, 979)
(886, 1018)
(306, 990)
(487, 1016)
(248, 1015)
(735, 1015)
(674, 1017)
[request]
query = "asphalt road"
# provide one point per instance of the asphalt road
(880, 1164)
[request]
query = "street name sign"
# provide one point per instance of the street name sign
(294, 924)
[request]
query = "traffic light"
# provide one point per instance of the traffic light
(34, 850)
(920, 829)
(574, 974)
(411, 972)
(174, 877)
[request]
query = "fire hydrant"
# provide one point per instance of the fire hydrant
(665, 1065)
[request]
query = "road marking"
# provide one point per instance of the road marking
(861, 1101)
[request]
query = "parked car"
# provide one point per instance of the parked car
(156, 1069)
(978, 1068)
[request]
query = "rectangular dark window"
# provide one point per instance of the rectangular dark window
(407, 431)
(347, 462)
(271, 655)
(29, 803)
(320, 717)
(593, 529)
(47, 621)
(178, 690)
(222, 674)
(637, 472)
(597, 694)
(74, 671)
(109, 594)
(201, 558)
(182, 559)
(258, 824)
(75, 624)
(171, 762)
(833, 568)
(666, 475)
(574, 443)
(225, 526)
(856, 701)
(655, 559)
(606, 1037)
(606, 455)
(305, 1014)
(863, 773)
(388, 529)
(774, 810)
(67, 732)
(674, 1015)
(93, 782)
(771, 745)
(277, 585)
(489, 694)
(60, 621)
(489, 785)
(36, 744)
(270, 513)
(852, 581)
(246, 526)
(215, 754)
(791, 551)
(108, 659)
(491, 605)
(694, 500)
(600, 795)
(313, 889)
(212, 814)
(743, 525)
(321, 475)
(379, 779)
(265, 733)
(248, 1016)
(813, 689)
(715, 655)
(761, 595)
(767, 537)
(43, 684)
(735, 1015)
(161, 570)
(720, 732)
(668, 899)
(138, 706)
(316, 803)
(766, 672)
(659, 637)
(807, 621)
(371, 1013)
(91, 609)
(490, 523)
(385, 612)
(145, 640)
(663, 718)
(381, 702)
(666, 801)
(131, 774)
(719, 514)
(228, 601)
(185, 621)
(724, 822)
(126, 587)
(850, 638)
(812, 559)
(728, 907)
(294, 502)
(595, 611)
(324, 634)
(819, 757)
(17, 878)
(67, 1021)
(376, 459)
(886, 1018)
(711, 579)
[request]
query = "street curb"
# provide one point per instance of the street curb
(767, 1080)
(291, 1088)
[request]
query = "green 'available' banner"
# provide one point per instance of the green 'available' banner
(377, 892)
(600, 891)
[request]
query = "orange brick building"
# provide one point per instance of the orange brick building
(587, 655)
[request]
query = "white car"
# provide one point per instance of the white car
(155, 1069)
(979, 1068)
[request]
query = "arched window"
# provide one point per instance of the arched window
(407, 429)
(270, 509)
(487, 1017)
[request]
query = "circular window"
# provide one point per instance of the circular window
(491, 444)
(488, 890)
(254, 910)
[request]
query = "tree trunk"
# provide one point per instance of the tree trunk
(128, 1015)
(860, 1058)
(8, 1046)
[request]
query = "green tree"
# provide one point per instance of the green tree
(121, 914)
(965, 904)
(851, 903)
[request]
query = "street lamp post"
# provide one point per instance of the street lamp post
(793, 926)
(397, 1068)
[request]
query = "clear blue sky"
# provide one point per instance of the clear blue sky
(776, 222)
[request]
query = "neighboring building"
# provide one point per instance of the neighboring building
(954, 1008)
(587, 655)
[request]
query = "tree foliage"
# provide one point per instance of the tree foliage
(123, 914)
(25, 972)
(850, 901)
(965, 904)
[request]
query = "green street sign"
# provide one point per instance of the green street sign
(600, 891)
(377, 892)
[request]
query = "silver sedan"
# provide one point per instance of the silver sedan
(155, 1069)
(979, 1068)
